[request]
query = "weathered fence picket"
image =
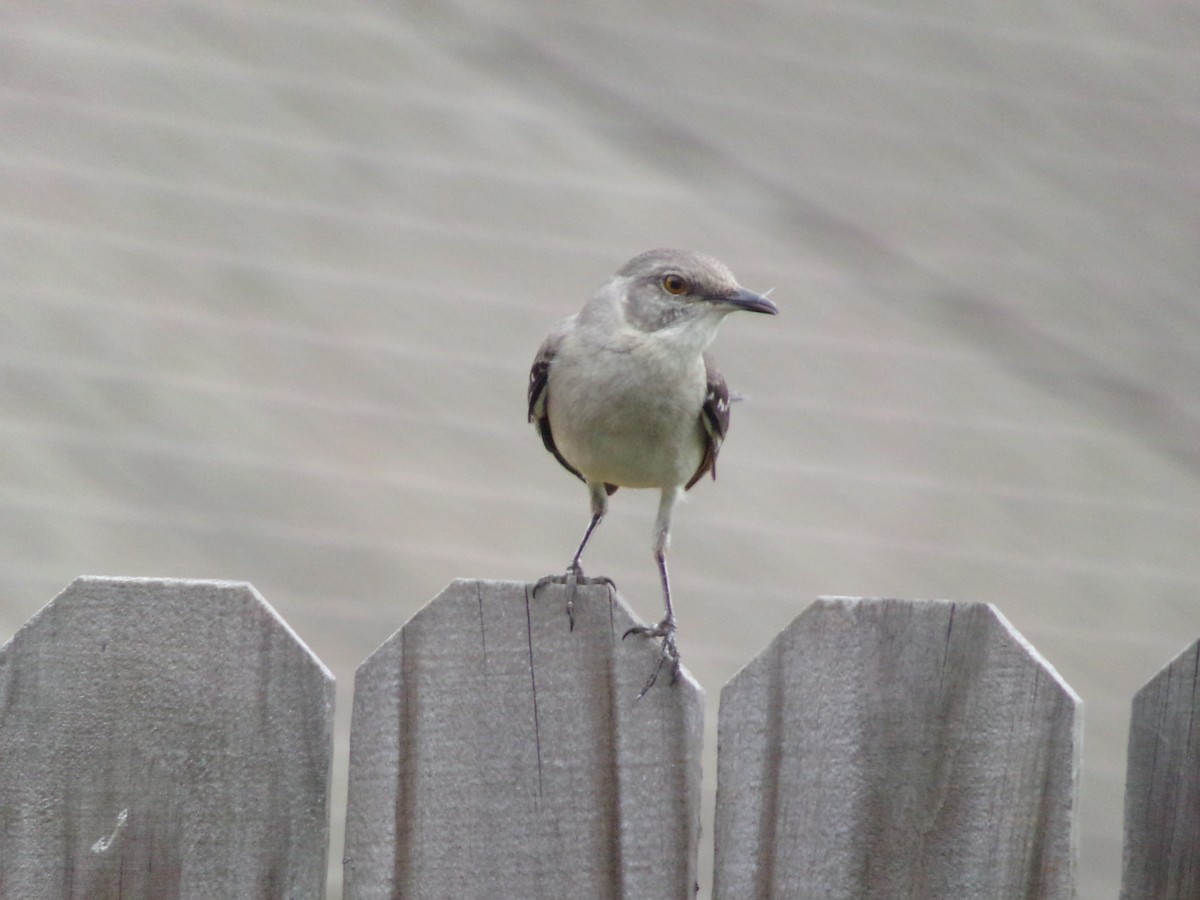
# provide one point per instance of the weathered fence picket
(495, 753)
(166, 739)
(162, 739)
(1162, 785)
(896, 749)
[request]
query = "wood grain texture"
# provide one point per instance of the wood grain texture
(896, 749)
(162, 739)
(1162, 785)
(495, 753)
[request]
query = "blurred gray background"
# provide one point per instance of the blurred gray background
(272, 275)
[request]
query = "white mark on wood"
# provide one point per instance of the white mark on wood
(102, 845)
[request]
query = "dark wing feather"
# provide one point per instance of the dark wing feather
(539, 380)
(714, 416)
(538, 396)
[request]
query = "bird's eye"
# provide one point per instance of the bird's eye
(674, 283)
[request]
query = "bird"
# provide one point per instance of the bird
(624, 394)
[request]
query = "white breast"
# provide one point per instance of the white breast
(629, 417)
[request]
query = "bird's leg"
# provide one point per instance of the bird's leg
(574, 575)
(665, 630)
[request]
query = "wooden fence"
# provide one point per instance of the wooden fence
(173, 739)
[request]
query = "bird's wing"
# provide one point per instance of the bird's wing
(539, 380)
(714, 416)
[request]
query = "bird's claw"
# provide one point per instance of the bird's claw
(666, 631)
(571, 579)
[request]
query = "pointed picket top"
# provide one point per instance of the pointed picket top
(162, 738)
(890, 748)
(1162, 785)
(496, 753)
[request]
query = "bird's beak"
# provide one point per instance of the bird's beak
(747, 300)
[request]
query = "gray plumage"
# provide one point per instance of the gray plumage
(624, 395)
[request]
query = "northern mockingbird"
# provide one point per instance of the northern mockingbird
(623, 395)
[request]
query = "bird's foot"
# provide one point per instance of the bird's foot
(665, 630)
(571, 579)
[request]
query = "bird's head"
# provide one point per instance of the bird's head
(675, 288)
